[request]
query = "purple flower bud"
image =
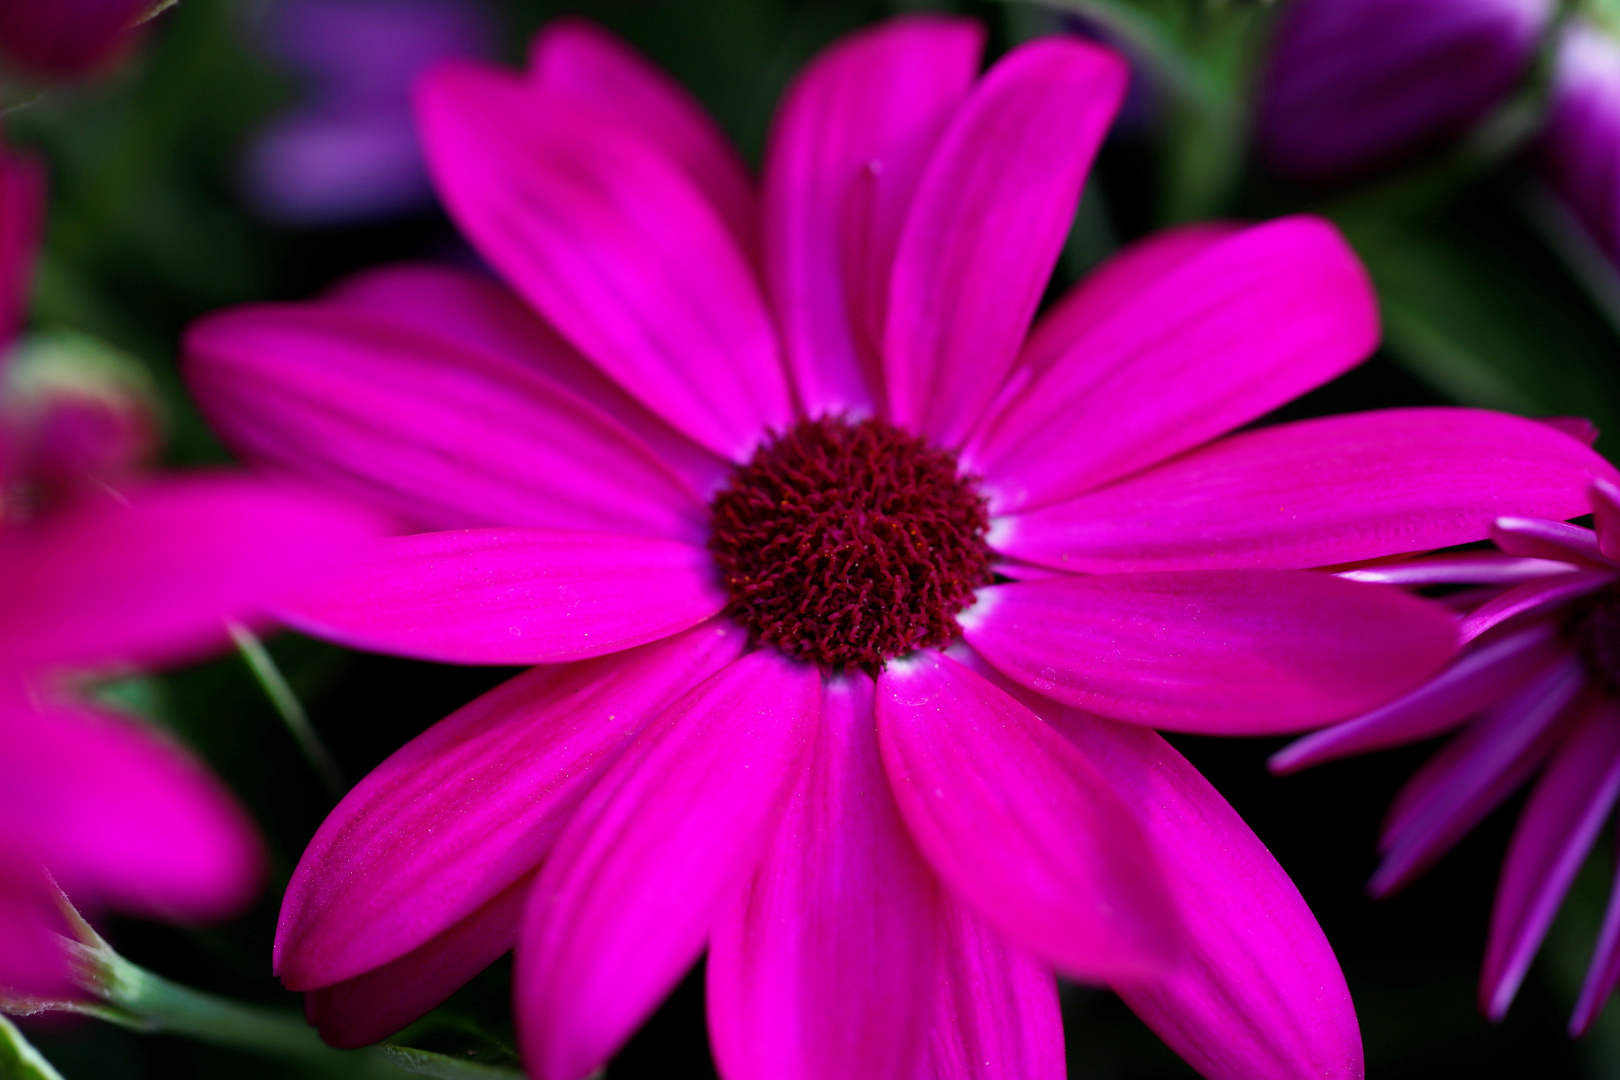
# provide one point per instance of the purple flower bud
(1579, 154)
(1355, 85)
(59, 39)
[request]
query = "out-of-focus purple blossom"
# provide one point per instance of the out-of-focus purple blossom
(63, 39)
(349, 153)
(1579, 153)
(1356, 85)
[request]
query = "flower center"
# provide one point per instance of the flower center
(850, 543)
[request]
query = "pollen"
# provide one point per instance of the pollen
(849, 543)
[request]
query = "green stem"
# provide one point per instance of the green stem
(291, 710)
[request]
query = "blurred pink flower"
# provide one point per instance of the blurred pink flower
(1579, 153)
(1356, 85)
(63, 39)
(856, 600)
(99, 578)
(1537, 690)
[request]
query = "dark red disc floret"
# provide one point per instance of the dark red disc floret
(848, 543)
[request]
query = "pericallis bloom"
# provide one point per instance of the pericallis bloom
(1536, 693)
(1351, 86)
(348, 152)
(856, 600)
(1578, 155)
(95, 578)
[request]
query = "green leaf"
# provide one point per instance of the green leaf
(442, 1066)
(18, 1058)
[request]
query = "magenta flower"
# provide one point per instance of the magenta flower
(856, 601)
(1579, 152)
(96, 579)
(348, 151)
(1537, 691)
(62, 39)
(1355, 85)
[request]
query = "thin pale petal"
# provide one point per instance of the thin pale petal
(121, 817)
(152, 575)
(1464, 568)
(22, 224)
(1325, 492)
(1559, 824)
(475, 312)
(368, 1008)
(858, 122)
(996, 1011)
(576, 60)
(616, 248)
(442, 436)
(512, 596)
(1019, 825)
(825, 965)
(1541, 539)
(1532, 596)
(1471, 776)
(1246, 325)
(1222, 651)
(1480, 677)
(1606, 518)
(986, 226)
(472, 805)
(640, 877)
(1261, 996)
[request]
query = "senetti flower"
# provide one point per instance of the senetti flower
(1355, 85)
(856, 601)
(1536, 694)
(1578, 154)
(95, 578)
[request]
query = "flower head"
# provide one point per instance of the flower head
(1356, 85)
(1579, 152)
(855, 599)
(1537, 691)
(94, 577)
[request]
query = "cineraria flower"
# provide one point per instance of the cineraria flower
(348, 152)
(856, 601)
(1355, 85)
(1537, 690)
(1579, 152)
(95, 578)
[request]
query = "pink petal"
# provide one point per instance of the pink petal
(1117, 282)
(120, 816)
(1324, 492)
(1480, 677)
(996, 1008)
(22, 225)
(1536, 538)
(472, 805)
(474, 312)
(985, 228)
(1603, 974)
(1261, 996)
(614, 245)
(1223, 651)
(31, 959)
(1244, 326)
(575, 60)
(1467, 567)
(368, 1008)
(1565, 812)
(639, 878)
(1020, 826)
(512, 596)
(153, 575)
(440, 435)
(1606, 518)
(825, 966)
(1531, 596)
(859, 121)
(1471, 775)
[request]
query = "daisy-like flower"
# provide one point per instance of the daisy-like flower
(856, 600)
(97, 576)
(1536, 691)
(1579, 152)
